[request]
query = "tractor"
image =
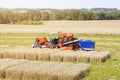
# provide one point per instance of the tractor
(65, 41)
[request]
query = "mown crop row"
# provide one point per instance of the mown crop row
(54, 55)
(17, 69)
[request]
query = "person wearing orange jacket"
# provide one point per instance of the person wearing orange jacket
(68, 37)
(42, 43)
(62, 39)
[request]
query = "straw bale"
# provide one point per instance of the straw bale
(43, 75)
(100, 58)
(106, 54)
(69, 57)
(57, 56)
(16, 72)
(92, 56)
(33, 70)
(54, 72)
(2, 73)
(82, 57)
(44, 54)
(20, 53)
(1, 53)
(13, 73)
(37, 72)
(63, 56)
(28, 53)
(2, 67)
(7, 63)
(31, 55)
(75, 72)
(96, 57)
(9, 53)
(50, 50)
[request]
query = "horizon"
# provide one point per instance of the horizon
(59, 4)
(56, 8)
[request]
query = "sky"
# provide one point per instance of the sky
(60, 4)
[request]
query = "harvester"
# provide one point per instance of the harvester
(65, 42)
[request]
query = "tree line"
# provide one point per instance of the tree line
(34, 15)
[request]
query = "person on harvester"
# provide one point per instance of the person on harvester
(62, 39)
(66, 38)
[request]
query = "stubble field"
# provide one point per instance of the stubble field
(91, 27)
(106, 35)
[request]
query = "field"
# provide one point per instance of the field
(92, 27)
(106, 34)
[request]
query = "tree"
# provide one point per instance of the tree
(88, 15)
(56, 15)
(33, 15)
(7, 16)
(1, 18)
(45, 16)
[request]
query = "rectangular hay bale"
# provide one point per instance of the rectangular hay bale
(44, 54)
(76, 72)
(82, 57)
(33, 70)
(7, 63)
(56, 56)
(38, 72)
(1, 54)
(20, 55)
(16, 72)
(69, 57)
(56, 71)
(31, 55)
(9, 53)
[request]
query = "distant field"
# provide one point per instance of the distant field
(93, 27)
